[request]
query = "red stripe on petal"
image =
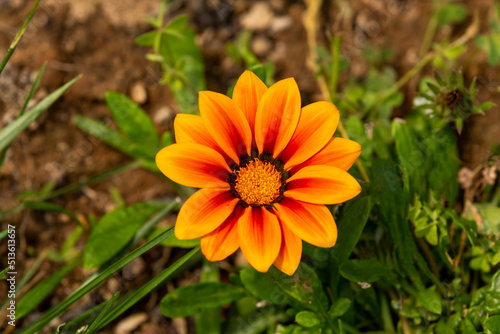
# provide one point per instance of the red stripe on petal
(224, 240)
(260, 237)
(316, 127)
(290, 253)
(203, 212)
(277, 116)
(311, 222)
(226, 123)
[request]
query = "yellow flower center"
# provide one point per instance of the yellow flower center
(258, 183)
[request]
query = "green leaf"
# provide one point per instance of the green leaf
(308, 319)
(493, 324)
(92, 282)
(38, 293)
(363, 270)
(451, 13)
(263, 287)
(114, 231)
(133, 120)
(192, 299)
(339, 308)
(303, 286)
(177, 45)
(431, 300)
(146, 39)
(209, 321)
(8, 133)
(113, 137)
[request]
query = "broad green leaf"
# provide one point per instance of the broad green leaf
(146, 39)
(133, 120)
(363, 270)
(393, 202)
(192, 299)
(495, 282)
(339, 308)
(38, 293)
(431, 300)
(452, 13)
(410, 157)
(262, 286)
(303, 286)
(114, 231)
(308, 319)
(8, 133)
(112, 137)
(493, 324)
(92, 282)
(209, 321)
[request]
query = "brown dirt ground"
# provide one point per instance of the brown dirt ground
(96, 38)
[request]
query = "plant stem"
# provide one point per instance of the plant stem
(18, 37)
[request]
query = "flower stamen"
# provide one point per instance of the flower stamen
(258, 183)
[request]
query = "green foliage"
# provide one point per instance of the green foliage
(194, 298)
(175, 49)
(115, 230)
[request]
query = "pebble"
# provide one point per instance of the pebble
(129, 324)
(138, 92)
(261, 45)
(259, 17)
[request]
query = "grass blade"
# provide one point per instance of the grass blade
(10, 132)
(147, 288)
(94, 281)
(18, 37)
(94, 327)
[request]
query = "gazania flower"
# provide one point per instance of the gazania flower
(266, 168)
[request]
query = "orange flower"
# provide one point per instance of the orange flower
(266, 168)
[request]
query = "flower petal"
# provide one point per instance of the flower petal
(247, 93)
(203, 212)
(226, 123)
(224, 240)
(339, 152)
(322, 184)
(317, 124)
(277, 116)
(311, 222)
(260, 237)
(290, 253)
(193, 165)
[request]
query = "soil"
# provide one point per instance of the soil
(96, 39)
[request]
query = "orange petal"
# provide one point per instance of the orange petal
(247, 94)
(260, 237)
(223, 241)
(339, 152)
(316, 127)
(277, 116)
(226, 123)
(311, 222)
(193, 165)
(203, 212)
(290, 253)
(321, 184)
